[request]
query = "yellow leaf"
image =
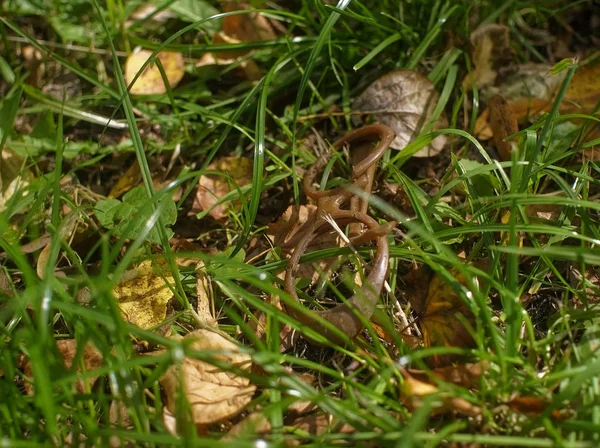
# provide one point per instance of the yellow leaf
(143, 294)
(150, 82)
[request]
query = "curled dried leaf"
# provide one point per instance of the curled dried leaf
(404, 100)
(214, 394)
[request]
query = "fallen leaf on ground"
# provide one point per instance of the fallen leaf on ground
(91, 357)
(465, 375)
(533, 406)
(205, 307)
(504, 123)
(532, 89)
(490, 51)
(414, 391)
(318, 424)
(143, 294)
(404, 100)
(238, 29)
(254, 425)
(247, 27)
(127, 181)
(213, 187)
(440, 316)
(150, 82)
(213, 394)
(147, 12)
(118, 415)
(14, 175)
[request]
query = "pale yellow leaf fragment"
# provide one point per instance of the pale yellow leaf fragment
(150, 82)
(143, 294)
(214, 394)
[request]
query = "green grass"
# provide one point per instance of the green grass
(77, 144)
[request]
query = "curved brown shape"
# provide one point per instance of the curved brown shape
(345, 317)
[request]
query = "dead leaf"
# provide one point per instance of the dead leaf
(147, 11)
(533, 406)
(318, 424)
(490, 51)
(212, 187)
(14, 175)
(205, 307)
(413, 392)
(465, 375)
(238, 29)
(504, 123)
(150, 82)
(143, 293)
(440, 317)
(404, 100)
(118, 414)
(91, 357)
(5, 285)
(247, 27)
(127, 181)
(254, 425)
(532, 89)
(213, 394)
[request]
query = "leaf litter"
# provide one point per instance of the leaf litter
(402, 99)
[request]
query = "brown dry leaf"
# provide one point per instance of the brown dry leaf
(490, 51)
(150, 82)
(504, 123)
(143, 293)
(254, 425)
(533, 406)
(532, 89)
(146, 10)
(118, 415)
(91, 357)
(212, 187)
(237, 29)
(413, 391)
(318, 424)
(5, 285)
(127, 181)
(465, 375)
(213, 394)
(404, 100)
(439, 317)
(247, 27)
(205, 307)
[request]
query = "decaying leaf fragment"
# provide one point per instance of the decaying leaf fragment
(212, 187)
(14, 176)
(91, 357)
(441, 314)
(490, 51)
(237, 29)
(143, 294)
(150, 82)
(414, 391)
(504, 123)
(213, 394)
(404, 100)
